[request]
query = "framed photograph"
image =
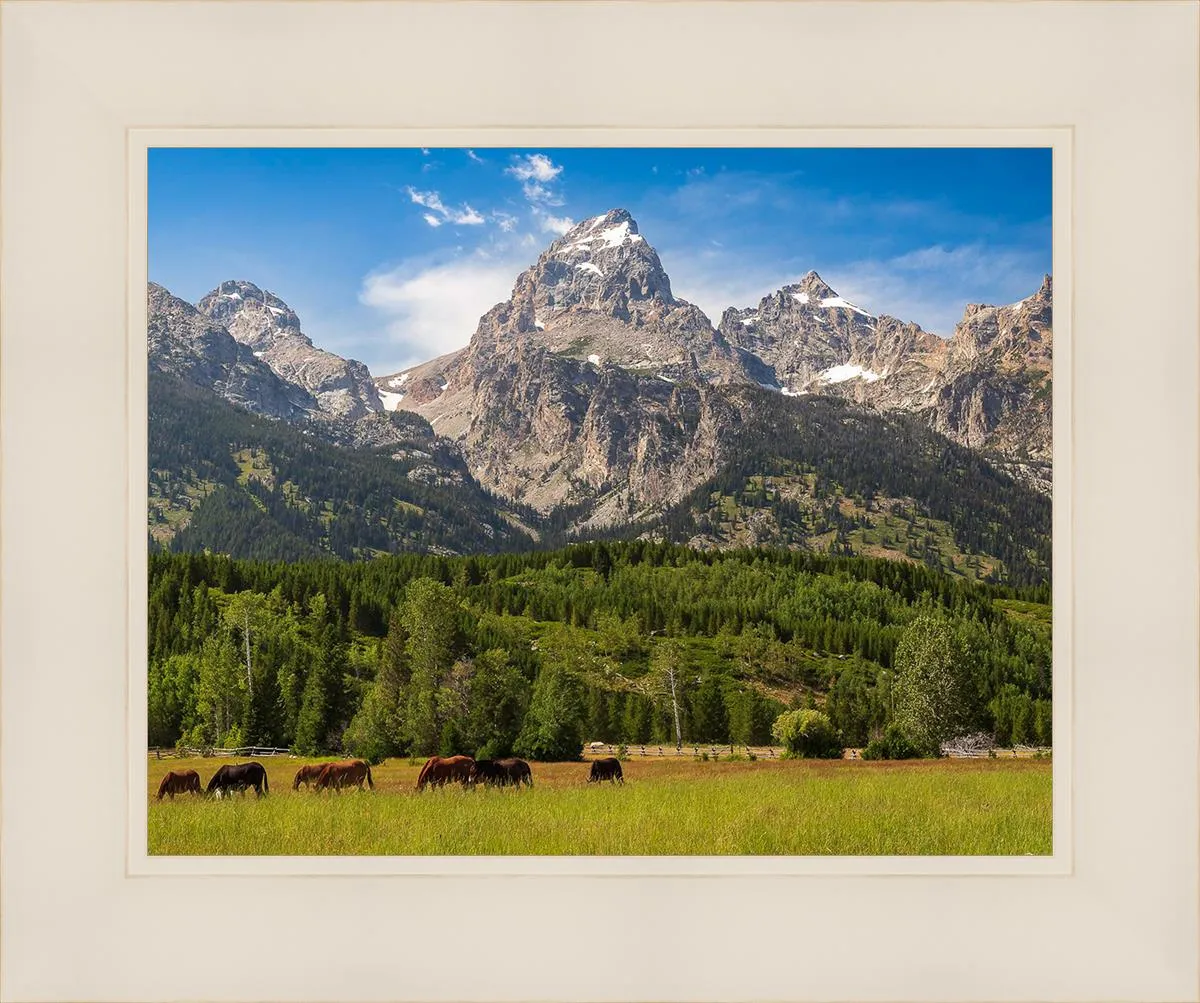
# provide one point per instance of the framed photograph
(716, 497)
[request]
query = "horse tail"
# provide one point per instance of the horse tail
(370, 782)
(266, 786)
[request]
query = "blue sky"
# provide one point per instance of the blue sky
(391, 255)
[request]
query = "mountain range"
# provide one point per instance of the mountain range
(594, 402)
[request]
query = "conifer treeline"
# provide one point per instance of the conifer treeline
(538, 652)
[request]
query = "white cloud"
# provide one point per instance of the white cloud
(432, 220)
(425, 151)
(466, 216)
(431, 309)
(536, 194)
(475, 156)
(536, 172)
(534, 167)
(505, 220)
(553, 224)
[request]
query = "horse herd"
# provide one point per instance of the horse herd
(437, 772)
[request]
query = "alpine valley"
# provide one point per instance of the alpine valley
(595, 404)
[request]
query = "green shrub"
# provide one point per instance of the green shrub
(892, 744)
(622, 751)
(808, 734)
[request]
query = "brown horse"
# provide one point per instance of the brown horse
(347, 773)
(179, 783)
(307, 775)
(439, 771)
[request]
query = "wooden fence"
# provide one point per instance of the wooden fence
(689, 750)
(257, 751)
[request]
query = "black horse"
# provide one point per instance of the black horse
(606, 769)
(237, 777)
(503, 772)
(517, 770)
(490, 772)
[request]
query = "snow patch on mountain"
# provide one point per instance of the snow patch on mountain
(837, 301)
(847, 371)
(390, 400)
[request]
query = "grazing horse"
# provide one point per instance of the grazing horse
(347, 773)
(239, 776)
(488, 771)
(606, 769)
(517, 770)
(439, 771)
(179, 783)
(307, 775)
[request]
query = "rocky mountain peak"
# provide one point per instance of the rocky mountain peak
(267, 325)
(810, 290)
(601, 263)
(599, 294)
(252, 315)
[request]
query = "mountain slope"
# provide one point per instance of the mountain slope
(226, 480)
(987, 387)
(183, 342)
(270, 328)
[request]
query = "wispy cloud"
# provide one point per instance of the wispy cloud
(930, 286)
(552, 224)
(537, 173)
(431, 308)
(534, 167)
(505, 220)
(471, 154)
(933, 285)
(465, 216)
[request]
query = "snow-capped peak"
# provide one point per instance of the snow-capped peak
(613, 229)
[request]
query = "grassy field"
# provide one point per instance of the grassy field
(666, 806)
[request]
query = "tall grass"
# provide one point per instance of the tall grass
(854, 808)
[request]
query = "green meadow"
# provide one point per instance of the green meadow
(666, 806)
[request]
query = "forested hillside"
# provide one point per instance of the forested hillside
(821, 474)
(539, 652)
(225, 480)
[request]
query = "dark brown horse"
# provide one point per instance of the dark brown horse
(307, 775)
(606, 769)
(237, 777)
(347, 773)
(491, 773)
(179, 783)
(439, 771)
(517, 771)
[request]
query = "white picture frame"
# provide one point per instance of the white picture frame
(1112, 915)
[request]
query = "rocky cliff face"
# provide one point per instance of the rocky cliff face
(599, 294)
(270, 328)
(987, 387)
(996, 388)
(593, 384)
(186, 343)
